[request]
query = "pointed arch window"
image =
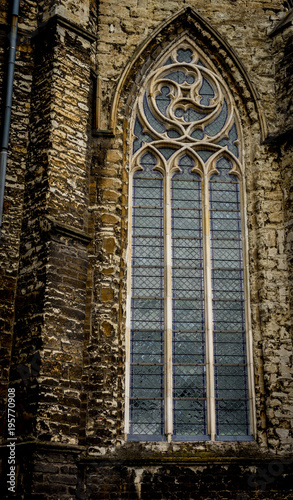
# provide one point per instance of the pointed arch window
(189, 363)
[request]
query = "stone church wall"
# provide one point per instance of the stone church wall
(63, 246)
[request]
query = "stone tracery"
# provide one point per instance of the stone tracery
(186, 105)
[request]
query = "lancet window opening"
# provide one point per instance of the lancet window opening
(188, 342)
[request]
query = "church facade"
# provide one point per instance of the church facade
(146, 249)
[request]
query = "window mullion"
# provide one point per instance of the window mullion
(168, 311)
(208, 312)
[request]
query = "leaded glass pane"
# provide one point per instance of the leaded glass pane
(215, 126)
(230, 142)
(147, 346)
(163, 100)
(146, 417)
(169, 61)
(141, 136)
(146, 381)
(197, 134)
(147, 302)
(180, 77)
(234, 417)
(189, 379)
(173, 134)
(184, 55)
(207, 93)
(231, 391)
(167, 152)
(189, 115)
(152, 120)
(204, 154)
(190, 418)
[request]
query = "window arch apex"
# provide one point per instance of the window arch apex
(197, 27)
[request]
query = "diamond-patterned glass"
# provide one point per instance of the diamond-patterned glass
(184, 55)
(189, 380)
(146, 381)
(233, 417)
(204, 154)
(167, 152)
(197, 134)
(179, 76)
(147, 302)
(231, 142)
(216, 125)
(173, 134)
(140, 136)
(207, 93)
(190, 417)
(152, 120)
(146, 417)
(163, 100)
(189, 115)
(228, 353)
(228, 304)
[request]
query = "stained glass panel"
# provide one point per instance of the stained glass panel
(189, 380)
(184, 55)
(163, 100)
(207, 93)
(216, 125)
(147, 304)
(231, 388)
(140, 136)
(180, 77)
(152, 120)
(231, 141)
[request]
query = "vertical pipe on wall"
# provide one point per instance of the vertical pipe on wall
(8, 104)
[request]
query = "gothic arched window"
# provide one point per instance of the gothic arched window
(188, 369)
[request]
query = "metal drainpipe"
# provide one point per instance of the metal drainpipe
(8, 103)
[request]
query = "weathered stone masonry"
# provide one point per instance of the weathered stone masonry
(79, 67)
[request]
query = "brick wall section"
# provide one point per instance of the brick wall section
(15, 178)
(64, 311)
(282, 38)
(67, 473)
(103, 363)
(44, 473)
(274, 343)
(54, 475)
(53, 269)
(33, 252)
